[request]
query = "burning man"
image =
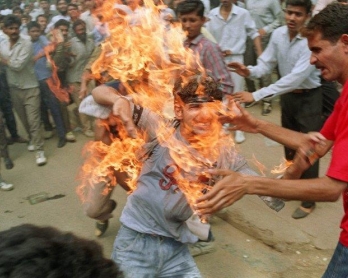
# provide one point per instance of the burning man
(327, 34)
(155, 232)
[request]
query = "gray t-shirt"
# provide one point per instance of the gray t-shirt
(157, 206)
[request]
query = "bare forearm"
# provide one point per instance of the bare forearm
(258, 46)
(105, 95)
(284, 136)
(322, 189)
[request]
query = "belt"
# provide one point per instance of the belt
(300, 91)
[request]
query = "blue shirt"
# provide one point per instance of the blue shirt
(41, 70)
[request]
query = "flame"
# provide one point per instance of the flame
(147, 57)
(262, 168)
(53, 82)
(281, 168)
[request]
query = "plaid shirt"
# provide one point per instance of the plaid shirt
(212, 60)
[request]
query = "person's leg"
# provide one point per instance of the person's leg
(84, 119)
(250, 60)
(144, 255)
(18, 101)
(6, 107)
(338, 266)
(239, 82)
(3, 144)
(53, 104)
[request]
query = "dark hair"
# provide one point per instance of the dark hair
(73, 5)
(15, 9)
(190, 6)
(197, 88)
(77, 23)
(62, 22)
(12, 19)
(33, 24)
(30, 251)
(61, 0)
(41, 15)
(307, 4)
(331, 22)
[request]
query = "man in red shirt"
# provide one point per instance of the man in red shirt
(327, 35)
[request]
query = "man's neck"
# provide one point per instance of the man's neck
(13, 42)
(292, 35)
(225, 11)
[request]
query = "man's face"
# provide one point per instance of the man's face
(17, 13)
(64, 30)
(197, 118)
(62, 7)
(89, 4)
(34, 33)
(12, 32)
(73, 12)
(226, 3)
(42, 22)
(329, 57)
(45, 6)
(80, 31)
(295, 17)
(192, 24)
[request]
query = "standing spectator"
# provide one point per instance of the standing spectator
(42, 20)
(62, 57)
(16, 53)
(3, 148)
(267, 16)
(45, 10)
(62, 7)
(81, 48)
(74, 13)
(299, 85)
(17, 11)
(231, 25)
(39, 42)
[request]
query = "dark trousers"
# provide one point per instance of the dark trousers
(303, 112)
(6, 106)
(3, 141)
(51, 102)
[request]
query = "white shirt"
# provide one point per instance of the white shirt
(266, 13)
(50, 26)
(231, 34)
(292, 58)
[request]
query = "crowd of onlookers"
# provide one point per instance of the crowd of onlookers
(47, 48)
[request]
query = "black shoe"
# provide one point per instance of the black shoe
(19, 140)
(61, 142)
(102, 226)
(8, 163)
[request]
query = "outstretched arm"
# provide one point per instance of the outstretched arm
(234, 186)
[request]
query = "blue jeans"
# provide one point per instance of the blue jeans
(51, 102)
(148, 256)
(338, 266)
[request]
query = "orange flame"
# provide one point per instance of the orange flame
(53, 82)
(147, 57)
(281, 168)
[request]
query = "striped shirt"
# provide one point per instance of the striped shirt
(212, 60)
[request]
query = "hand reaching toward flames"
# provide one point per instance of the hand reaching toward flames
(243, 97)
(240, 121)
(224, 193)
(122, 109)
(239, 68)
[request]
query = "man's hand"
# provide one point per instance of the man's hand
(243, 97)
(224, 193)
(122, 109)
(239, 68)
(226, 53)
(241, 120)
(262, 32)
